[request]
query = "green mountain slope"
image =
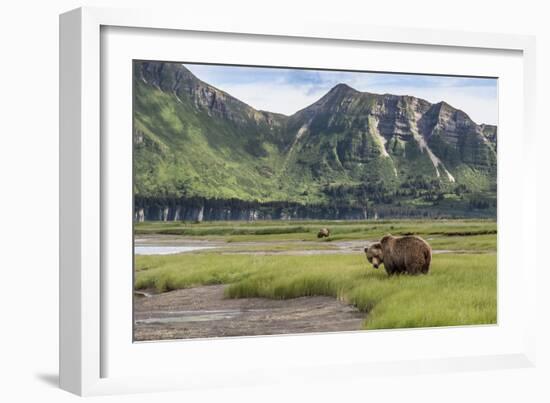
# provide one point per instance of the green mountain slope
(193, 140)
(347, 150)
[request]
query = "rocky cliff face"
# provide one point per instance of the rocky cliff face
(349, 148)
(404, 135)
(173, 78)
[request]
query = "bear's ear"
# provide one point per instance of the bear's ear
(376, 245)
(385, 238)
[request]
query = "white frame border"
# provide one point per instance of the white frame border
(80, 182)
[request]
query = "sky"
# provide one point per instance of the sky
(289, 90)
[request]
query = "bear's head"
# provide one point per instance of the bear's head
(374, 254)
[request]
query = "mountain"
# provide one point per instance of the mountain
(198, 150)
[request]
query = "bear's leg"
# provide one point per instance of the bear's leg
(427, 261)
(390, 269)
(425, 268)
(415, 269)
(413, 265)
(398, 270)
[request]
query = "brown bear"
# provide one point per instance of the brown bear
(323, 232)
(406, 254)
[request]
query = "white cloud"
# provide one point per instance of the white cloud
(287, 91)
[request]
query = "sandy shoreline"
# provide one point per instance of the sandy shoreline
(204, 312)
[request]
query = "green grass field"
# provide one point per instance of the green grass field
(460, 289)
(242, 231)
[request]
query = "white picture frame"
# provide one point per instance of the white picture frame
(88, 319)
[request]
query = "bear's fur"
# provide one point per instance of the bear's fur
(323, 232)
(407, 254)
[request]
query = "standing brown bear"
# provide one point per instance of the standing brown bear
(323, 232)
(407, 254)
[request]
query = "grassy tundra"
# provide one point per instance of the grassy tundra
(460, 289)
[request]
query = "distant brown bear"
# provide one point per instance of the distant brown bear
(407, 254)
(323, 232)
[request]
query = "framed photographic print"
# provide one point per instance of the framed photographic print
(235, 200)
(253, 222)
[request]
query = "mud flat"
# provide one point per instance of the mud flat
(165, 245)
(204, 312)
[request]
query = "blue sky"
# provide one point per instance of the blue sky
(289, 90)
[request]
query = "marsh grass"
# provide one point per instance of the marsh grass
(460, 289)
(264, 231)
(487, 242)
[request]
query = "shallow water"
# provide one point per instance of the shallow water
(166, 250)
(157, 245)
(190, 316)
(204, 311)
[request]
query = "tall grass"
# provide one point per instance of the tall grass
(233, 231)
(460, 289)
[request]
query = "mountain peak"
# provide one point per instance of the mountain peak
(342, 88)
(347, 151)
(445, 110)
(335, 95)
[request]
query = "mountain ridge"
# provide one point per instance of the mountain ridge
(371, 145)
